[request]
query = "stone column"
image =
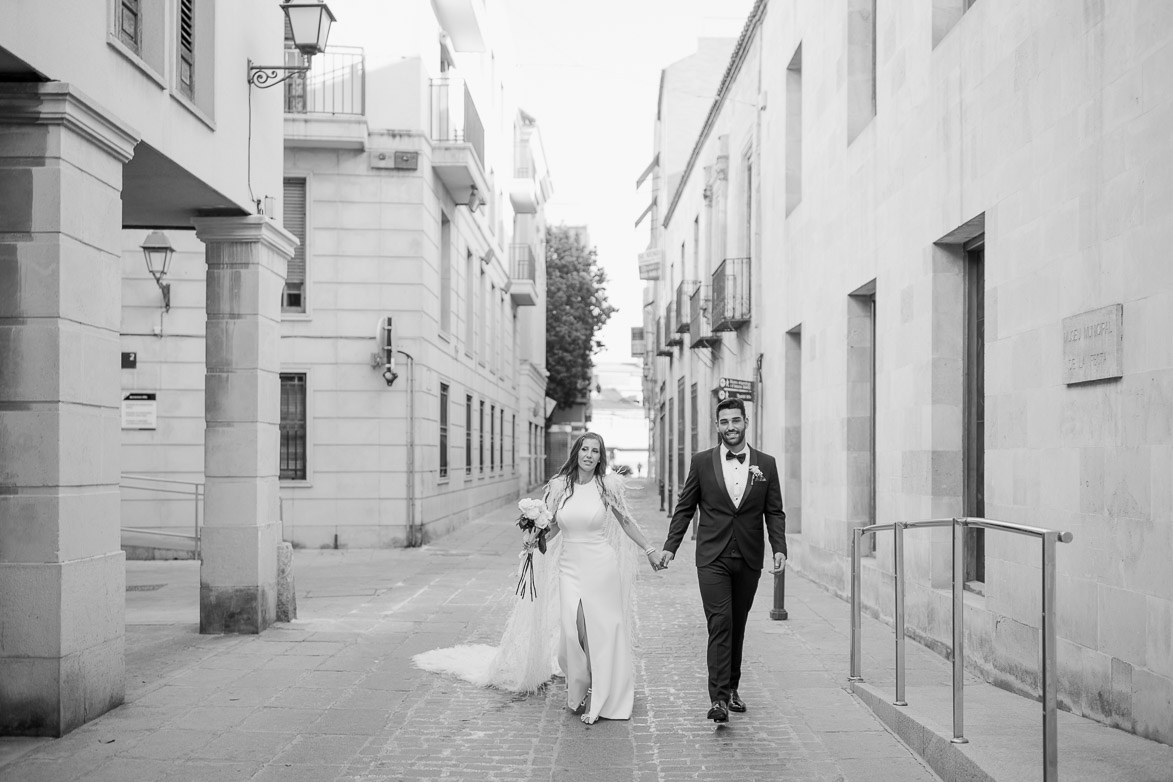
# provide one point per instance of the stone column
(62, 571)
(246, 259)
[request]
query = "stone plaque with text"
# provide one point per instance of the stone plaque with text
(1093, 345)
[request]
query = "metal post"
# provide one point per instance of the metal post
(779, 609)
(1049, 664)
(856, 617)
(959, 528)
(898, 567)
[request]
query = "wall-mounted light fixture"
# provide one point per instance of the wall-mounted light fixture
(157, 251)
(384, 357)
(310, 22)
(474, 199)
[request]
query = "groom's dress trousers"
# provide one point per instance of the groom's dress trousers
(729, 547)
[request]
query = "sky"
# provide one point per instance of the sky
(590, 73)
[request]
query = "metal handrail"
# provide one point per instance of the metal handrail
(1048, 652)
(196, 492)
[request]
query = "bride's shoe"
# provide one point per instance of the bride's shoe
(585, 708)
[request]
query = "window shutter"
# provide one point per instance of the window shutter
(293, 218)
(187, 47)
(130, 23)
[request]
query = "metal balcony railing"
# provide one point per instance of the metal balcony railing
(672, 337)
(334, 84)
(684, 292)
(662, 347)
(522, 263)
(700, 335)
(1048, 653)
(455, 119)
(638, 345)
(731, 294)
(523, 160)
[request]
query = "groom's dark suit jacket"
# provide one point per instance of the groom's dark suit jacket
(720, 520)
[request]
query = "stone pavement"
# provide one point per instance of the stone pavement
(333, 695)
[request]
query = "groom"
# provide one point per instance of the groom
(735, 488)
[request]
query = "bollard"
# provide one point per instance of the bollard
(779, 609)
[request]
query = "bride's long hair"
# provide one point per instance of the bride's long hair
(570, 467)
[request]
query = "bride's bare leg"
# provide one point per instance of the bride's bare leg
(584, 642)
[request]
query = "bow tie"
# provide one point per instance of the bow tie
(740, 457)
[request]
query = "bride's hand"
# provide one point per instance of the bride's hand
(654, 559)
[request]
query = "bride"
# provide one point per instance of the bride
(581, 623)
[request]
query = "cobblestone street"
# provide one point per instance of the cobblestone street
(334, 696)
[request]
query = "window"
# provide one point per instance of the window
(747, 219)
(469, 303)
(293, 218)
(680, 445)
(975, 411)
(492, 438)
(861, 65)
(445, 274)
(513, 444)
(860, 452)
(481, 433)
(946, 14)
(501, 442)
(468, 434)
(443, 430)
(185, 64)
(694, 435)
(293, 427)
(794, 131)
(129, 24)
(792, 403)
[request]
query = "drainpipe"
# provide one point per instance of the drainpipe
(414, 535)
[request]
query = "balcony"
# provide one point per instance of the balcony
(463, 20)
(672, 337)
(326, 106)
(662, 348)
(699, 333)
(684, 292)
(458, 138)
(731, 294)
(523, 274)
(523, 188)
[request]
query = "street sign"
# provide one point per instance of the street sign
(732, 388)
(649, 264)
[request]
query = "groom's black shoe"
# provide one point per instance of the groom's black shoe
(719, 713)
(735, 702)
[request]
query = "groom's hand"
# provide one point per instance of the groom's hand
(779, 563)
(665, 558)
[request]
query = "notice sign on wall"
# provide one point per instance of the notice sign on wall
(1093, 345)
(139, 410)
(732, 388)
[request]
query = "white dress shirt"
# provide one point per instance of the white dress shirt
(736, 474)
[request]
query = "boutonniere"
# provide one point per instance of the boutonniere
(755, 473)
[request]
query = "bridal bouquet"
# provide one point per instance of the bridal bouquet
(534, 521)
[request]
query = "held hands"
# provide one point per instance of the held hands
(779, 563)
(654, 558)
(665, 558)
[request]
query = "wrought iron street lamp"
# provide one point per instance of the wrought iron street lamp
(157, 251)
(474, 199)
(309, 21)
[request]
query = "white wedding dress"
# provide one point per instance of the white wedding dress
(592, 601)
(592, 562)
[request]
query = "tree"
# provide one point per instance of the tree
(576, 309)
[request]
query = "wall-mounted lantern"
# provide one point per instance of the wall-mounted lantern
(157, 251)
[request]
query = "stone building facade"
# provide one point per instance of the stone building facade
(118, 116)
(952, 218)
(416, 188)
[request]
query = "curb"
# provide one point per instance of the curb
(948, 760)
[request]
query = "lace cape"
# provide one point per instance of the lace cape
(527, 656)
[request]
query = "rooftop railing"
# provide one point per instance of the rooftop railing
(334, 84)
(1048, 653)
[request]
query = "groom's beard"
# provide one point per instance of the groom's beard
(732, 438)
